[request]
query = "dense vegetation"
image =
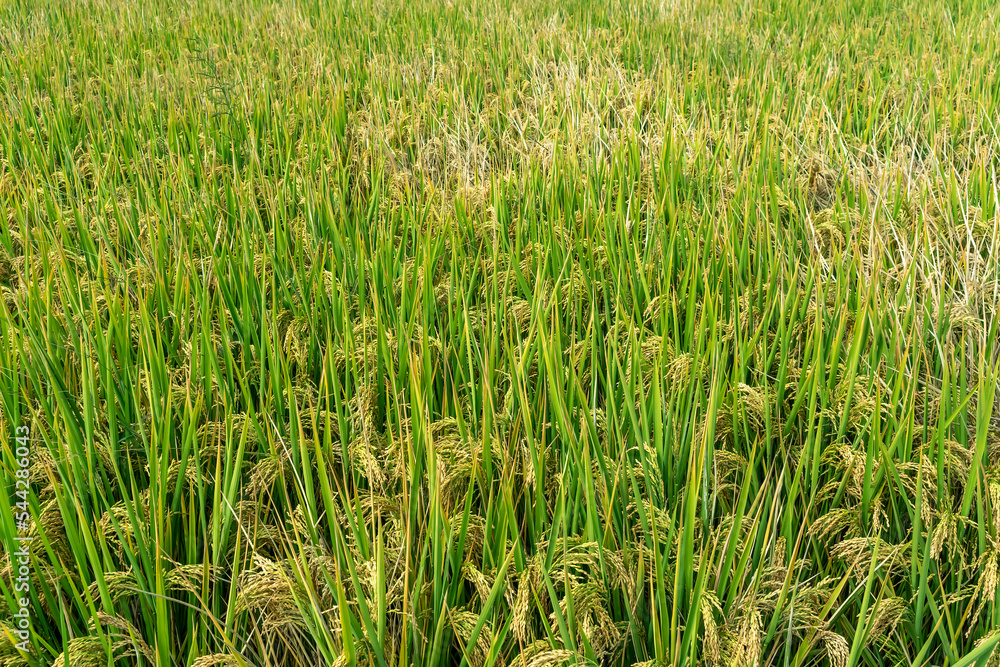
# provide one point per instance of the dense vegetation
(516, 334)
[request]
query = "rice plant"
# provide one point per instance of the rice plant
(499, 334)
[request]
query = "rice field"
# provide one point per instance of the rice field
(499, 334)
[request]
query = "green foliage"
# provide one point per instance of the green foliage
(482, 334)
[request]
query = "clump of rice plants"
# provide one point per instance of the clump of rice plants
(499, 334)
